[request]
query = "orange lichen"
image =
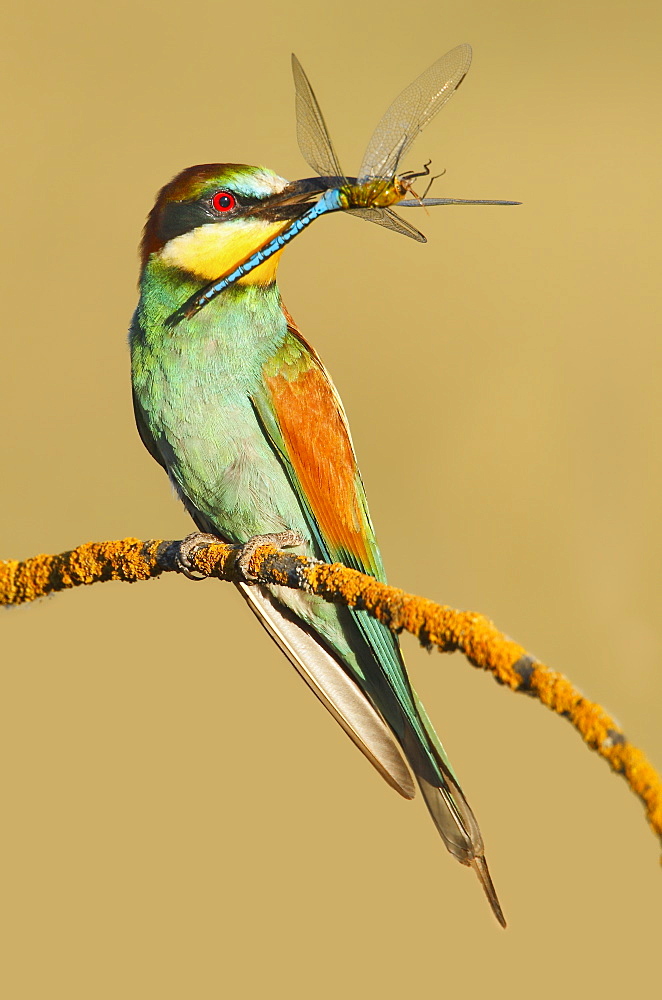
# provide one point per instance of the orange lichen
(129, 559)
(433, 624)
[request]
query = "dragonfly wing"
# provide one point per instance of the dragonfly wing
(312, 134)
(390, 220)
(412, 111)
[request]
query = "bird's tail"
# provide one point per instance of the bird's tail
(422, 749)
(451, 813)
(457, 825)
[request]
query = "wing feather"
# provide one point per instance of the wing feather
(327, 678)
(306, 423)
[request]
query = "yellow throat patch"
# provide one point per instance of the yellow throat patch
(211, 251)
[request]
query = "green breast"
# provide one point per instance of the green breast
(193, 387)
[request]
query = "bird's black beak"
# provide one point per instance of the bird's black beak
(295, 199)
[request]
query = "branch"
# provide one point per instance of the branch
(432, 624)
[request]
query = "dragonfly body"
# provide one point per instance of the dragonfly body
(239, 410)
(373, 194)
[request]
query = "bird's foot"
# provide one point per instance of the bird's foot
(281, 539)
(188, 547)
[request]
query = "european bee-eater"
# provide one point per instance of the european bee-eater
(239, 410)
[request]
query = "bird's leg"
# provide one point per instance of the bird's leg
(188, 547)
(200, 540)
(281, 539)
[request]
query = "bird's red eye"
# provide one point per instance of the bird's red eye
(223, 201)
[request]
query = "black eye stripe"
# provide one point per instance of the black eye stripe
(179, 217)
(242, 200)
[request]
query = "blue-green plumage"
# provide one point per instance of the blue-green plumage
(240, 412)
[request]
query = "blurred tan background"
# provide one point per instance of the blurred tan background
(180, 817)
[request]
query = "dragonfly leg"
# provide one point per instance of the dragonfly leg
(410, 175)
(431, 182)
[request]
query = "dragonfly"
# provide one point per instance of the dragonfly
(378, 186)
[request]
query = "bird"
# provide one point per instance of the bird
(237, 407)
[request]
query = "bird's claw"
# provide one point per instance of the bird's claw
(188, 547)
(281, 539)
